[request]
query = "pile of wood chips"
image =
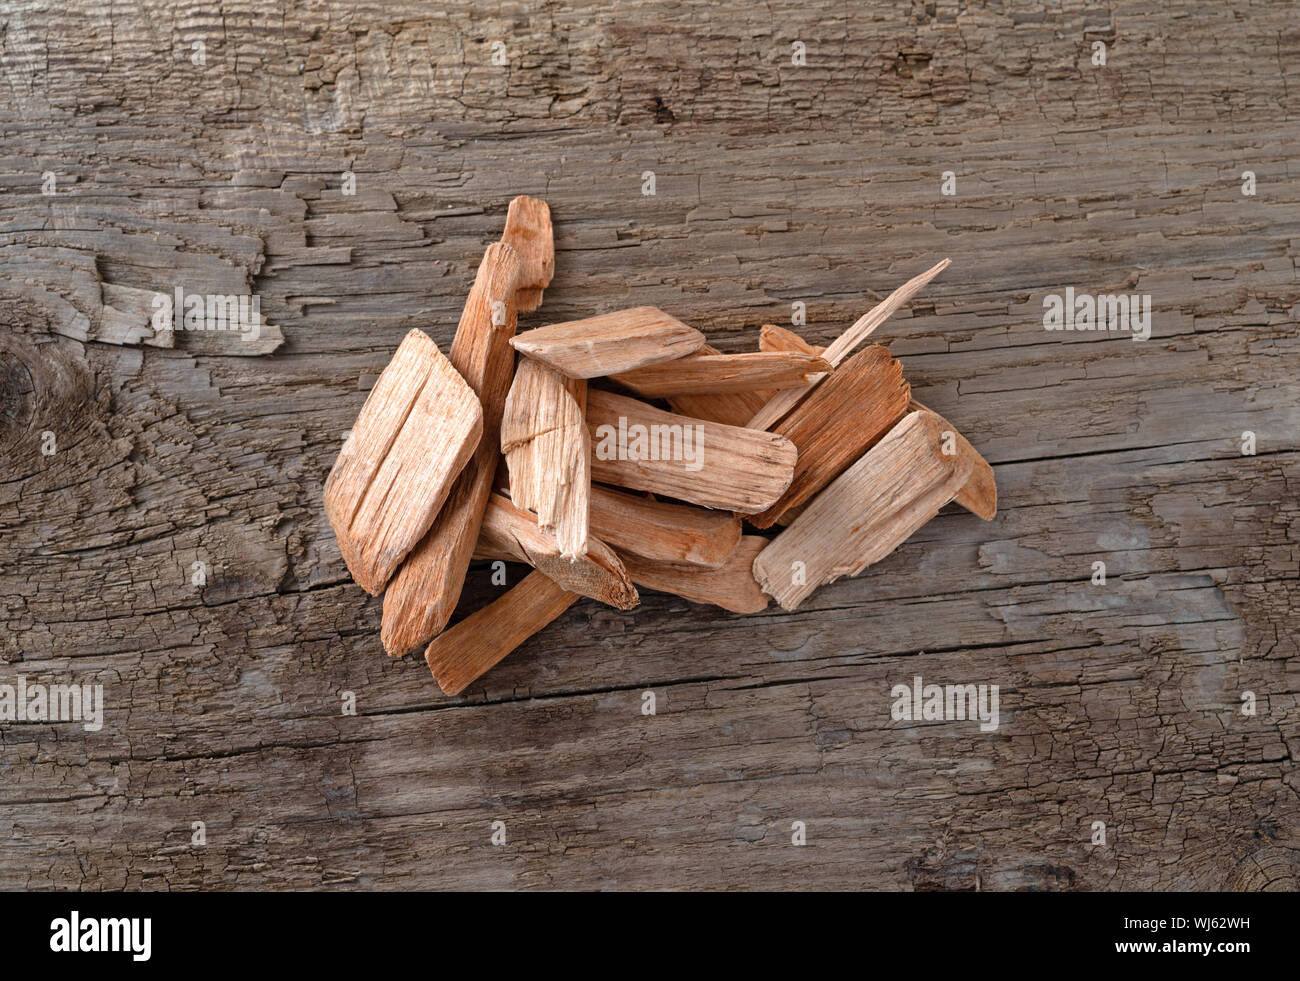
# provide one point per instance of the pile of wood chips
(469, 456)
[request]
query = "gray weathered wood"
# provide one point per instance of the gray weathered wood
(774, 184)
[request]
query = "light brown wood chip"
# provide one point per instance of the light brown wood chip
(867, 512)
(844, 345)
(979, 495)
(705, 374)
(528, 231)
(548, 452)
(638, 446)
(610, 343)
(728, 408)
(423, 594)
(839, 421)
(774, 338)
(672, 534)
(472, 647)
(731, 586)
(512, 534)
(418, 427)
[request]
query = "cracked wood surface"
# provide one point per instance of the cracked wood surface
(774, 183)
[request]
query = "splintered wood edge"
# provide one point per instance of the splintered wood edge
(777, 408)
(979, 495)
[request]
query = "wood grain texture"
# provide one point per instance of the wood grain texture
(702, 374)
(662, 531)
(548, 452)
(775, 184)
(610, 343)
(638, 446)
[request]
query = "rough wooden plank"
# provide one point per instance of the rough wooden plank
(1121, 702)
(610, 343)
(418, 428)
(637, 446)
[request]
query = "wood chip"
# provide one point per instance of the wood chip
(774, 338)
(839, 421)
(512, 534)
(728, 408)
(731, 586)
(528, 231)
(548, 452)
(424, 593)
(706, 374)
(418, 428)
(469, 649)
(671, 534)
(845, 344)
(979, 495)
(610, 343)
(867, 512)
(638, 446)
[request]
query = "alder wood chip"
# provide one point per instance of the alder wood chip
(610, 343)
(528, 231)
(657, 531)
(512, 534)
(774, 338)
(844, 345)
(416, 431)
(731, 586)
(638, 446)
(548, 452)
(464, 653)
(423, 594)
(728, 408)
(839, 421)
(979, 495)
(867, 512)
(709, 374)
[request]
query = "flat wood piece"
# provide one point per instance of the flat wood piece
(425, 590)
(838, 422)
(707, 374)
(979, 495)
(511, 533)
(548, 452)
(845, 344)
(528, 231)
(638, 446)
(867, 512)
(610, 343)
(728, 408)
(461, 655)
(416, 431)
(731, 586)
(658, 531)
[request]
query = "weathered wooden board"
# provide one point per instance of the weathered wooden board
(774, 184)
